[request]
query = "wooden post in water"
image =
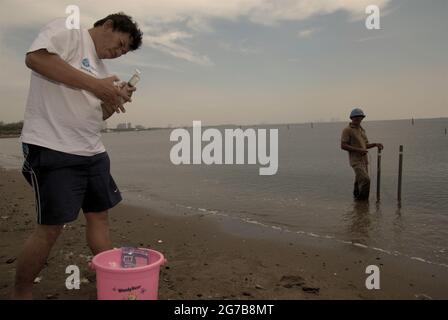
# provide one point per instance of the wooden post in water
(378, 176)
(400, 173)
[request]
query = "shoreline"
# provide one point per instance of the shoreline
(209, 257)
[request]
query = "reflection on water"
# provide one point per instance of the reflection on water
(359, 221)
(363, 220)
(398, 225)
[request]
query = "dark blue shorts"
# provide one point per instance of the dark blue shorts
(65, 183)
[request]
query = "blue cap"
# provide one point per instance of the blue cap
(357, 113)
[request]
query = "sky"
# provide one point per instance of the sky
(255, 61)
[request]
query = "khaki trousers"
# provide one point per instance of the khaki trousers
(362, 181)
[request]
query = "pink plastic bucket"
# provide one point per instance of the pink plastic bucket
(116, 283)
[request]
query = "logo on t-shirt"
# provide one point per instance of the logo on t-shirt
(85, 65)
(85, 62)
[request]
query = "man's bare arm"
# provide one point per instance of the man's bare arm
(347, 147)
(373, 145)
(54, 68)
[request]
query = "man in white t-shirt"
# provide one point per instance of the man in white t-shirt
(71, 94)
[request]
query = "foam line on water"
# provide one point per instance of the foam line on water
(315, 235)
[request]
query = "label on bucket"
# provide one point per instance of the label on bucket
(129, 256)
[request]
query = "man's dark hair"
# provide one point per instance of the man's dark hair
(125, 24)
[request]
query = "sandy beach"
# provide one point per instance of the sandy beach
(211, 258)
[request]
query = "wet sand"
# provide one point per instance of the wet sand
(210, 257)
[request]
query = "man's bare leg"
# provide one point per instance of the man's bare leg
(97, 232)
(33, 257)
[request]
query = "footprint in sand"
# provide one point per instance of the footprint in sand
(292, 281)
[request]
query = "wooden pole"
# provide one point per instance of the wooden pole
(378, 176)
(400, 172)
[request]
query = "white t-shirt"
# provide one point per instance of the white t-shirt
(59, 117)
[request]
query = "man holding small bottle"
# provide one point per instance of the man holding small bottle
(71, 93)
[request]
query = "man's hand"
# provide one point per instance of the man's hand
(106, 90)
(108, 110)
(127, 90)
(379, 146)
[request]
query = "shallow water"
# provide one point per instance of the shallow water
(311, 193)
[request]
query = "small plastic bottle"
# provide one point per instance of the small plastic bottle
(132, 82)
(135, 78)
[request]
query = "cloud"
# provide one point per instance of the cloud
(171, 43)
(271, 12)
(241, 47)
(192, 17)
(198, 24)
(138, 63)
(307, 33)
(196, 13)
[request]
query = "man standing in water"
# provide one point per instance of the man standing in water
(71, 93)
(354, 140)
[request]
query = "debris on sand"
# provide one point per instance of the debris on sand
(311, 290)
(292, 281)
(11, 260)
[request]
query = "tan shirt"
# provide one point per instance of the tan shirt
(355, 136)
